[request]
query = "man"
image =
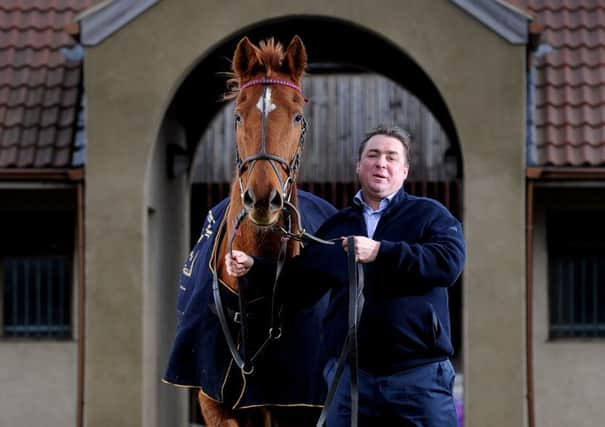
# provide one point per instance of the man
(412, 250)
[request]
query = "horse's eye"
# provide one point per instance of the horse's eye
(237, 119)
(298, 118)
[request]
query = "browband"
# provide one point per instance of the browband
(272, 82)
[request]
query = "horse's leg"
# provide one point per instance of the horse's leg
(214, 414)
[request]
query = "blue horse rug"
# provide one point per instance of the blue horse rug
(287, 373)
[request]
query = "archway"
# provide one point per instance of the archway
(340, 56)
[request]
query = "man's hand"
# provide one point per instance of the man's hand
(366, 249)
(238, 263)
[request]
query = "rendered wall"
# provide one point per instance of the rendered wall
(38, 381)
(568, 373)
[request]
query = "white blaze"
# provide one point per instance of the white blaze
(266, 101)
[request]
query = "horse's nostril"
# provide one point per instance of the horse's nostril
(248, 199)
(277, 201)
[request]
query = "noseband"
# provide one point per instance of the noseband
(289, 167)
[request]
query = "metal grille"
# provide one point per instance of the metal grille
(576, 275)
(37, 297)
(577, 296)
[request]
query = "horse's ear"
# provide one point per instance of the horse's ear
(296, 59)
(244, 58)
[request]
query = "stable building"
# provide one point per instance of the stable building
(114, 142)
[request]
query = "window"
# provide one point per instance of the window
(37, 297)
(37, 231)
(576, 268)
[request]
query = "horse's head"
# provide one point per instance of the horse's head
(269, 124)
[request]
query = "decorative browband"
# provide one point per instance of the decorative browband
(272, 82)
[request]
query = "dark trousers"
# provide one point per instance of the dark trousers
(417, 397)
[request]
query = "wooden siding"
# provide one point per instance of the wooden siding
(341, 109)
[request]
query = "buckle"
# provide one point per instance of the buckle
(237, 317)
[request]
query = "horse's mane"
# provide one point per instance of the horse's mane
(270, 55)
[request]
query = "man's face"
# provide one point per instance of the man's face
(382, 169)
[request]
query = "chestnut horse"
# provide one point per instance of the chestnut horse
(229, 341)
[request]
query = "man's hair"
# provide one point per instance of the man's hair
(392, 131)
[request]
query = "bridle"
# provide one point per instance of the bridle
(291, 167)
(239, 354)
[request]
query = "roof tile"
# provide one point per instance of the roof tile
(39, 87)
(25, 156)
(8, 156)
(44, 157)
(558, 96)
(64, 137)
(568, 115)
(47, 137)
(29, 137)
(63, 157)
(50, 116)
(10, 136)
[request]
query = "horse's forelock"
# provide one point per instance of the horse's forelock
(270, 55)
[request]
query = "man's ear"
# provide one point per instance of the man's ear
(406, 169)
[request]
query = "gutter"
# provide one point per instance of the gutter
(535, 50)
(553, 173)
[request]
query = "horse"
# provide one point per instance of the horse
(254, 364)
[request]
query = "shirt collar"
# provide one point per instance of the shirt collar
(359, 201)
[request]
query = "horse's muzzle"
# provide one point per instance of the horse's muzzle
(263, 211)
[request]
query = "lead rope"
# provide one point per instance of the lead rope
(349, 351)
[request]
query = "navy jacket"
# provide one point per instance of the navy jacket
(287, 373)
(405, 320)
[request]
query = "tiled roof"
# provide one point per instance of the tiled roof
(39, 86)
(570, 86)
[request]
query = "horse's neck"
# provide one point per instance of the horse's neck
(253, 240)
